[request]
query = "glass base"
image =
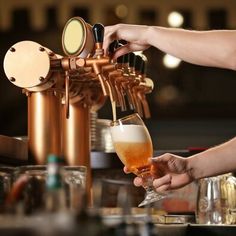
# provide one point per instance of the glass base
(152, 196)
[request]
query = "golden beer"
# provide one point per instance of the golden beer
(134, 155)
(133, 146)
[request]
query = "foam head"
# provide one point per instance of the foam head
(130, 133)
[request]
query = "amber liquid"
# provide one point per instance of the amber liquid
(135, 155)
(113, 106)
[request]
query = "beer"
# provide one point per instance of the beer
(113, 106)
(133, 146)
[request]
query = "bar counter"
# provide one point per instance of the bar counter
(15, 228)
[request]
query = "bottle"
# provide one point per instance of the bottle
(89, 220)
(128, 226)
(55, 194)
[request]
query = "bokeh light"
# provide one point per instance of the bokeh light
(171, 61)
(175, 19)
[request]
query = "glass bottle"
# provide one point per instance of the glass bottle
(55, 195)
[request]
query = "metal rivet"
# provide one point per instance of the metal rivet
(51, 53)
(12, 79)
(12, 49)
(41, 78)
(41, 49)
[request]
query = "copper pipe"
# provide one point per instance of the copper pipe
(143, 100)
(96, 64)
(44, 125)
(76, 137)
(138, 104)
(112, 78)
(121, 93)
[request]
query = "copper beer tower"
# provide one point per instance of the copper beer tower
(62, 90)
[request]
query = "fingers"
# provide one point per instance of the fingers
(129, 47)
(128, 33)
(121, 51)
(109, 37)
(126, 170)
(138, 181)
(163, 182)
(163, 188)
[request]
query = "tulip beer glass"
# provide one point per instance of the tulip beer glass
(133, 146)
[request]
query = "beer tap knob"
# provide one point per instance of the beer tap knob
(135, 89)
(98, 33)
(145, 87)
(99, 60)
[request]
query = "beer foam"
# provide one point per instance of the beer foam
(130, 133)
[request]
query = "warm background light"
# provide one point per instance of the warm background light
(171, 61)
(175, 19)
(121, 11)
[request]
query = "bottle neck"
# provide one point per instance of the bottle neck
(55, 198)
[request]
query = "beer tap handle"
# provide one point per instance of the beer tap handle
(138, 64)
(120, 93)
(126, 59)
(119, 60)
(143, 68)
(138, 102)
(131, 60)
(143, 100)
(98, 34)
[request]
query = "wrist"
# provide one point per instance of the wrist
(154, 35)
(150, 35)
(191, 168)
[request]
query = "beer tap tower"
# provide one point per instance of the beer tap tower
(62, 90)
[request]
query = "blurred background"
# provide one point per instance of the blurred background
(191, 106)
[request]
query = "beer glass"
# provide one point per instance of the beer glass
(133, 145)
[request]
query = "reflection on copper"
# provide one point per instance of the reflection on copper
(76, 137)
(44, 125)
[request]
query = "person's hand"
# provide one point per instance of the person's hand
(135, 35)
(169, 172)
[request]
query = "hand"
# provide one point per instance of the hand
(169, 171)
(135, 35)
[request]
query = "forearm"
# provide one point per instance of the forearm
(216, 48)
(214, 161)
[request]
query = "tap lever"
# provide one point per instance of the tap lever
(131, 59)
(126, 58)
(98, 33)
(143, 67)
(120, 59)
(138, 63)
